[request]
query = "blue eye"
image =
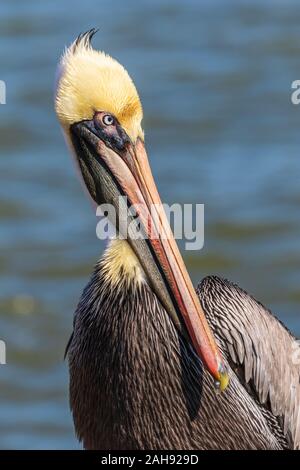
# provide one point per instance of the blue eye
(108, 120)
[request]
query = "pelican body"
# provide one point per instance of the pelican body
(153, 363)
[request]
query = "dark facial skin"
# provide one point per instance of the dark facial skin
(107, 128)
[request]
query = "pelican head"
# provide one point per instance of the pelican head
(100, 112)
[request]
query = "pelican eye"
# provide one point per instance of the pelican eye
(108, 120)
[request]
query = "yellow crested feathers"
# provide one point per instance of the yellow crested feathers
(89, 81)
(120, 264)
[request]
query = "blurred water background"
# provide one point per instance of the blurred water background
(215, 81)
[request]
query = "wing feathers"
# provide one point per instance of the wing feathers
(255, 341)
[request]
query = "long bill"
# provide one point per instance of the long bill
(162, 262)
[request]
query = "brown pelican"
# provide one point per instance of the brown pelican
(143, 361)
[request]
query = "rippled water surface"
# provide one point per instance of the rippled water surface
(215, 81)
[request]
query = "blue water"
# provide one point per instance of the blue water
(215, 81)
